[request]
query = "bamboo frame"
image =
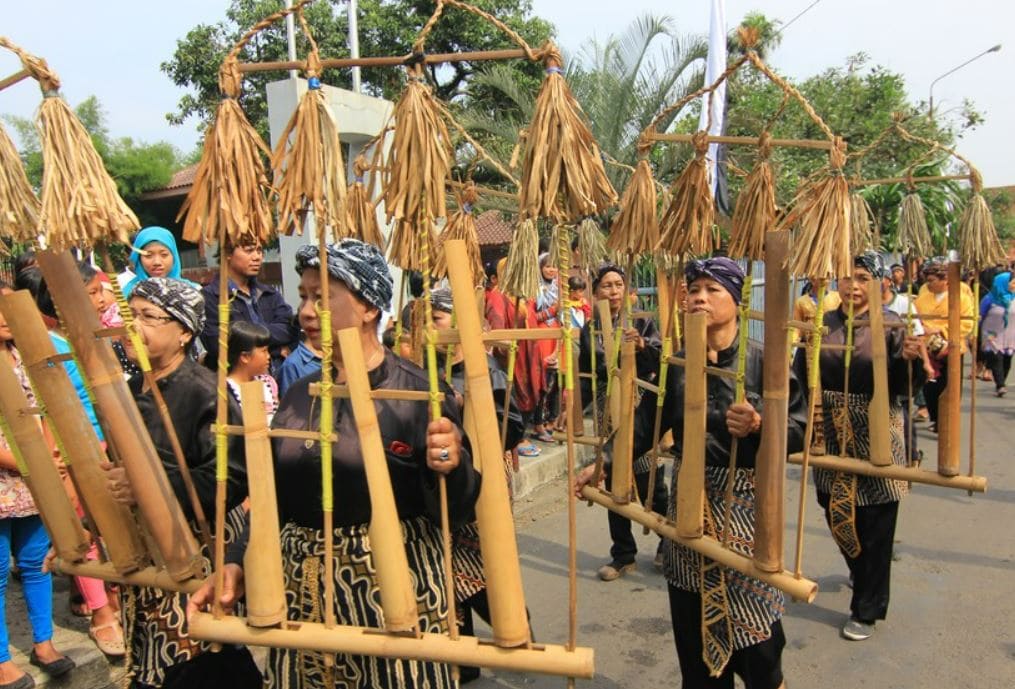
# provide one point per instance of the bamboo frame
(906, 180)
(977, 484)
(453, 336)
(15, 78)
(387, 61)
(814, 144)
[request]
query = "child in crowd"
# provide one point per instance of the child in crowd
(249, 360)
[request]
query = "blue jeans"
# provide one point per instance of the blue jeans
(28, 540)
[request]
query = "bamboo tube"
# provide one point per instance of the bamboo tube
(393, 575)
(949, 430)
(153, 577)
(73, 429)
(691, 477)
(452, 335)
(576, 417)
(221, 439)
(266, 605)
(36, 465)
(621, 475)
(897, 472)
(972, 389)
(326, 426)
(816, 144)
(466, 650)
(610, 349)
(15, 78)
(798, 588)
(388, 61)
(125, 429)
(903, 180)
(493, 508)
(880, 439)
(770, 467)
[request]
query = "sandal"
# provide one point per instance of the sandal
(111, 647)
(543, 437)
(528, 450)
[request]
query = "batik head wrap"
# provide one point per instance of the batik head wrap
(605, 268)
(440, 300)
(935, 265)
(872, 262)
(723, 270)
(359, 265)
(178, 298)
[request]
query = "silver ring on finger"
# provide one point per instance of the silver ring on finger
(444, 456)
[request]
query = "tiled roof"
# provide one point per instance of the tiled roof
(182, 178)
(493, 229)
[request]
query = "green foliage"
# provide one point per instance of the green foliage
(387, 28)
(1002, 207)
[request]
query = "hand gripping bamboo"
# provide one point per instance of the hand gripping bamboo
(122, 423)
(266, 606)
(74, 431)
(385, 533)
(691, 477)
(493, 509)
(35, 463)
(880, 439)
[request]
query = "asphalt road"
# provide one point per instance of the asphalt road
(951, 622)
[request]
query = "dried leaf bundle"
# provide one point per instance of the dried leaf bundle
(913, 236)
(420, 158)
(229, 198)
(861, 224)
(521, 272)
(687, 221)
(591, 245)
(635, 230)
(978, 241)
(361, 220)
(19, 207)
(563, 177)
(307, 165)
(754, 213)
(406, 249)
(462, 225)
(821, 212)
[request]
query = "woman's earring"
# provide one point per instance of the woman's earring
(182, 344)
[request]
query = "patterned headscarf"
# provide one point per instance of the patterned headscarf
(723, 270)
(605, 268)
(179, 299)
(359, 265)
(872, 262)
(937, 264)
(440, 300)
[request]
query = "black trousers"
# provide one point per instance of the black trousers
(759, 666)
(624, 546)
(1000, 365)
(872, 569)
(932, 389)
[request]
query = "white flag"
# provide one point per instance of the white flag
(715, 66)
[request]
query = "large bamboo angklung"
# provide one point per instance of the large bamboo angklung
(493, 508)
(121, 421)
(770, 466)
(74, 431)
(880, 437)
(949, 408)
(266, 605)
(691, 476)
(397, 594)
(35, 462)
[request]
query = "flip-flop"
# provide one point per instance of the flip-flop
(528, 450)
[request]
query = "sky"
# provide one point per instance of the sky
(112, 49)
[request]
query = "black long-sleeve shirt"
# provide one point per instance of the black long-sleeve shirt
(498, 381)
(191, 395)
(646, 360)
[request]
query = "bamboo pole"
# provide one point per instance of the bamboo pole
(387, 61)
(880, 438)
(770, 468)
(262, 560)
(972, 389)
(154, 577)
(610, 349)
(453, 336)
(398, 600)
(221, 438)
(466, 650)
(904, 180)
(493, 508)
(622, 471)
(36, 464)
(741, 141)
(898, 472)
(691, 477)
(15, 78)
(73, 430)
(123, 425)
(798, 588)
(949, 417)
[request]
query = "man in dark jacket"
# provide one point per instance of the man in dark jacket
(250, 300)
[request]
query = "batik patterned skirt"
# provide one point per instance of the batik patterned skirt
(358, 604)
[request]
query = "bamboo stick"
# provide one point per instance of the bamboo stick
(393, 575)
(904, 180)
(691, 477)
(453, 336)
(342, 392)
(770, 467)
(741, 140)
(265, 586)
(72, 428)
(154, 577)
(466, 650)
(157, 503)
(949, 429)
(36, 464)
(880, 439)
(896, 472)
(387, 61)
(15, 78)
(493, 508)
(621, 475)
(610, 349)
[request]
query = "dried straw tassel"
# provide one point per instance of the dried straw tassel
(821, 211)
(754, 213)
(978, 241)
(420, 158)
(635, 230)
(591, 245)
(309, 172)
(687, 222)
(229, 198)
(362, 216)
(521, 272)
(405, 249)
(563, 177)
(462, 225)
(861, 224)
(19, 207)
(913, 236)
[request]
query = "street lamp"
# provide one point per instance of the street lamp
(930, 100)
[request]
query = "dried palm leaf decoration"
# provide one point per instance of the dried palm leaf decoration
(19, 207)
(635, 230)
(978, 241)
(521, 271)
(821, 213)
(755, 211)
(913, 237)
(687, 223)
(462, 225)
(361, 221)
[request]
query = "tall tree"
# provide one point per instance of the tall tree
(387, 27)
